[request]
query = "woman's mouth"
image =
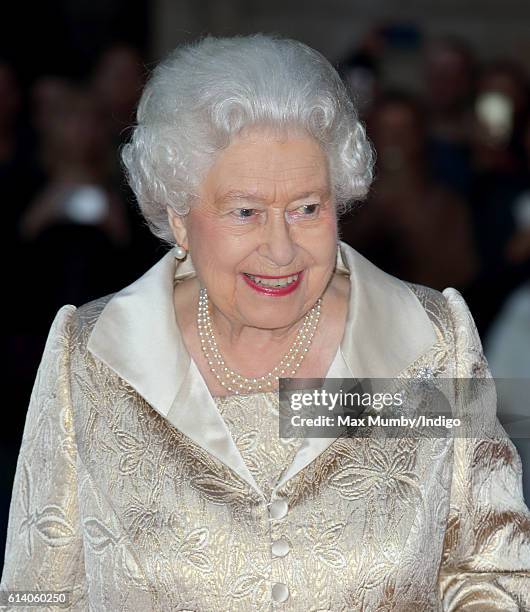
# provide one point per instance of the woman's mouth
(273, 285)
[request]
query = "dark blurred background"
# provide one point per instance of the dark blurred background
(443, 90)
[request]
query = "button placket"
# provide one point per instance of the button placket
(278, 509)
(280, 546)
(279, 592)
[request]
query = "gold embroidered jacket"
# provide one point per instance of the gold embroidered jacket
(131, 494)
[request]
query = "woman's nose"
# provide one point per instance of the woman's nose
(277, 245)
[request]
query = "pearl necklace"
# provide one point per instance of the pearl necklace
(234, 382)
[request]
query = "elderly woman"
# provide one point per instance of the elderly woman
(152, 475)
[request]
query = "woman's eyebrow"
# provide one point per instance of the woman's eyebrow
(256, 197)
(241, 195)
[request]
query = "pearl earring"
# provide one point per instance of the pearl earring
(180, 252)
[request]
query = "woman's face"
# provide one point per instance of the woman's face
(265, 217)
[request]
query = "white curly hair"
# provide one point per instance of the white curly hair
(204, 93)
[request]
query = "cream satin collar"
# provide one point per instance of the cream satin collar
(137, 336)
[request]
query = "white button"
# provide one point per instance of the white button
(280, 547)
(278, 509)
(280, 592)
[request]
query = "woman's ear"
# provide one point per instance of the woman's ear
(178, 227)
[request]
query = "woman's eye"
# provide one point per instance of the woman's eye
(306, 210)
(309, 209)
(244, 213)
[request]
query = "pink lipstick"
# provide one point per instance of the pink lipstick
(266, 286)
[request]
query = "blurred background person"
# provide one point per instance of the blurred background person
(449, 73)
(501, 154)
(79, 191)
(412, 226)
(117, 82)
(361, 72)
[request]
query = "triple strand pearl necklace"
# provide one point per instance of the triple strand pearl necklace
(234, 382)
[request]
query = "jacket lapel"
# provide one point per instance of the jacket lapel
(386, 330)
(137, 336)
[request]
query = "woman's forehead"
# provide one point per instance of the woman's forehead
(258, 167)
